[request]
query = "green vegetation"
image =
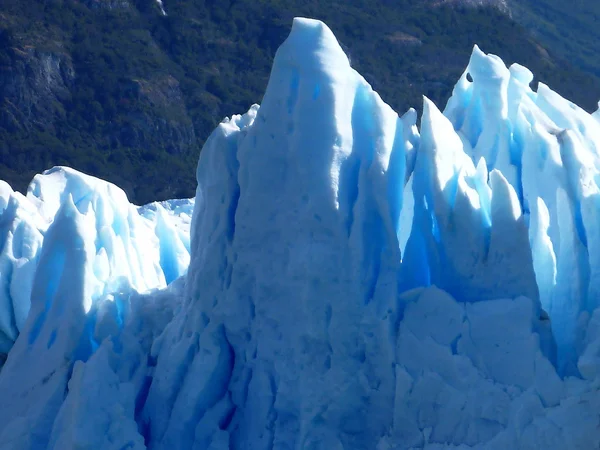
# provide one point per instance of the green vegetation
(571, 29)
(129, 95)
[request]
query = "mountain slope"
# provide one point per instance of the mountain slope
(120, 91)
(569, 28)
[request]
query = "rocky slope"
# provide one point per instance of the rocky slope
(128, 90)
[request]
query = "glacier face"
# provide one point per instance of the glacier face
(133, 250)
(354, 282)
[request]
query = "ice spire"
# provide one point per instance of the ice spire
(317, 158)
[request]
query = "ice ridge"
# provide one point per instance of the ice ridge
(353, 282)
(137, 251)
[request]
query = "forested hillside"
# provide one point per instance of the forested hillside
(571, 29)
(119, 90)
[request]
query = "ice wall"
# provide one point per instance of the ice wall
(132, 251)
(295, 331)
(301, 323)
(548, 149)
(293, 240)
(468, 235)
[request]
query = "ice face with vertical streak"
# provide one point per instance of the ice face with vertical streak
(553, 148)
(354, 282)
(468, 235)
(325, 214)
(134, 250)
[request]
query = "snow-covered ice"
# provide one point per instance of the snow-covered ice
(134, 248)
(354, 282)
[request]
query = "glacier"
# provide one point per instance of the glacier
(347, 279)
(136, 249)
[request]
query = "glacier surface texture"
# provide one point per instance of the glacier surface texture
(354, 282)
